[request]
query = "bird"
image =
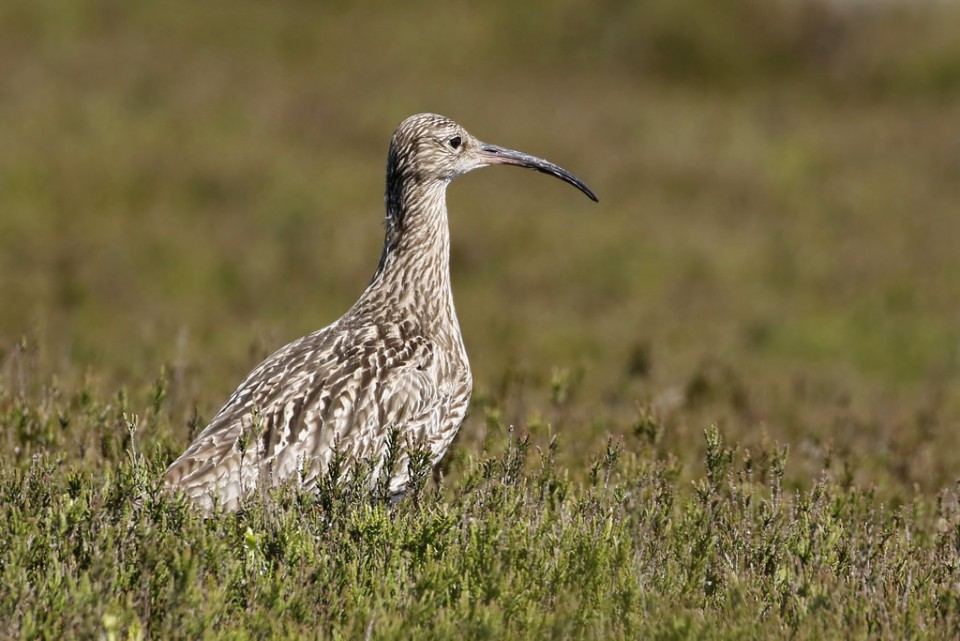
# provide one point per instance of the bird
(394, 365)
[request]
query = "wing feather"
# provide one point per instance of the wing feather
(347, 386)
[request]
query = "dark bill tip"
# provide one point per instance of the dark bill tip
(495, 155)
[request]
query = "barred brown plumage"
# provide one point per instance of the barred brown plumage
(394, 363)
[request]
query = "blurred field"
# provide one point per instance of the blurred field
(185, 187)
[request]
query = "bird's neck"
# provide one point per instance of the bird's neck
(414, 269)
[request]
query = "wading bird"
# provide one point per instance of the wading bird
(393, 365)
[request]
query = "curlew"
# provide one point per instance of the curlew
(394, 364)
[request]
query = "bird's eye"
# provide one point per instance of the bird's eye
(455, 142)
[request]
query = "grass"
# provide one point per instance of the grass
(513, 549)
(772, 269)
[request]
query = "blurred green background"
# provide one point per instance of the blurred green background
(184, 187)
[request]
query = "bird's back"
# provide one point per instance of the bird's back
(342, 389)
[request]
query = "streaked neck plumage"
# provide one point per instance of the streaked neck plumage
(414, 267)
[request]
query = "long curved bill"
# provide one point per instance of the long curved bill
(494, 155)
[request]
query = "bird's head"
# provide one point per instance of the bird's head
(430, 149)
